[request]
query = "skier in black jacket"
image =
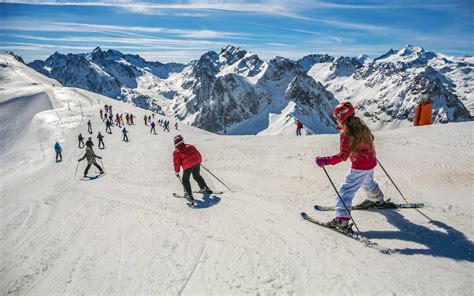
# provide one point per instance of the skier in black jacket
(90, 155)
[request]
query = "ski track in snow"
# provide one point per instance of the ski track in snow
(125, 233)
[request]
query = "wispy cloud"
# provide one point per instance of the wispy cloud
(24, 24)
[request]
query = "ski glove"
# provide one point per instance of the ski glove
(322, 161)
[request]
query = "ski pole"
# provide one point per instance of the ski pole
(392, 181)
(337, 192)
(77, 166)
(216, 177)
(396, 187)
(103, 166)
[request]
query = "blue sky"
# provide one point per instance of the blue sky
(182, 30)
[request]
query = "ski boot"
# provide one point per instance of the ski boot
(341, 224)
(368, 204)
(205, 191)
(190, 198)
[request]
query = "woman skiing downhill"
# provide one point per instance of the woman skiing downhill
(356, 143)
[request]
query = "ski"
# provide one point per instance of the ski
(89, 178)
(213, 192)
(384, 206)
(352, 235)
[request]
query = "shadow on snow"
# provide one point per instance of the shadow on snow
(449, 243)
(207, 201)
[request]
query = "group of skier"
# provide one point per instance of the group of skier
(165, 124)
(356, 144)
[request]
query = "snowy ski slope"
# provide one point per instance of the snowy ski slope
(124, 233)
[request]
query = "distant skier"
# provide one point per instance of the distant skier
(356, 143)
(117, 120)
(423, 111)
(58, 150)
(80, 138)
(127, 118)
(299, 126)
(90, 155)
(188, 157)
(101, 141)
(145, 118)
(176, 126)
(89, 127)
(111, 117)
(101, 114)
(166, 126)
(125, 135)
(121, 119)
(108, 124)
(149, 118)
(89, 143)
(131, 119)
(152, 129)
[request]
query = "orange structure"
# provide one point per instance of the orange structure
(423, 113)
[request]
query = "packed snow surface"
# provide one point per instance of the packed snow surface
(124, 233)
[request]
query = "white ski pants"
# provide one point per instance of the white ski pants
(354, 180)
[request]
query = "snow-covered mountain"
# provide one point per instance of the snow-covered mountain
(387, 88)
(110, 73)
(236, 92)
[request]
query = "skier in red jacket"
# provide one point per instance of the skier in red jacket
(356, 143)
(188, 157)
(299, 126)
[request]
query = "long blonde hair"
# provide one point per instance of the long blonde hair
(358, 134)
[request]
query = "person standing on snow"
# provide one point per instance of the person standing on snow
(188, 157)
(145, 118)
(166, 126)
(176, 126)
(299, 126)
(58, 150)
(125, 136)
(89, 143)
(101, 140)
(90, 155)
(152, 129)
(131, 119)
(356, 143)
(101, 114)
(80, 138)
(89, 127)
(108, 124)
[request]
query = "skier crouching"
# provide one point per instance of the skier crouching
(188, 157)
(90, 155)
(356, 143)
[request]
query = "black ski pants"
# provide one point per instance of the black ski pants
(195, 171)
(88, 167)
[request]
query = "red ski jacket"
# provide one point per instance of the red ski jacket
(187, 156)
(364, 159)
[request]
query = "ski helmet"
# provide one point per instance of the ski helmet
(342, 111)
(178, 140)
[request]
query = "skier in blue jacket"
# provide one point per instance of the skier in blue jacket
(58, 150)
